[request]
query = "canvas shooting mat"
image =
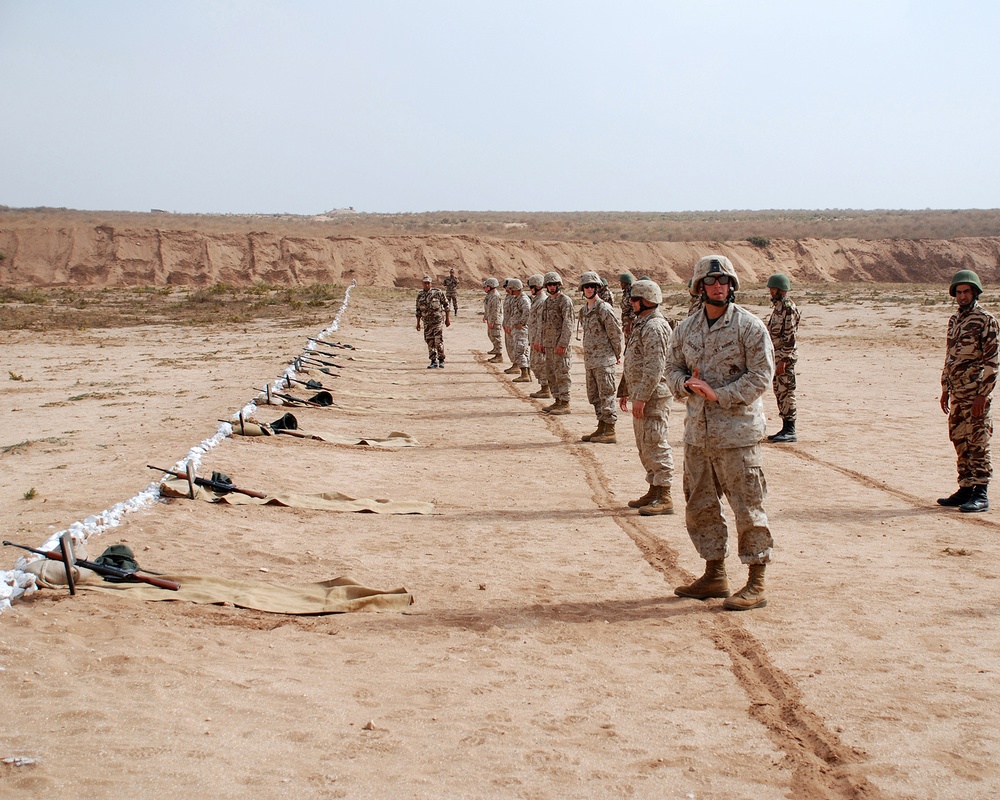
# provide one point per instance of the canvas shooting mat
(334, 596)
(325, 501)
(394, 440)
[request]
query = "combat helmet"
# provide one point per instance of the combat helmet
(536, 280)
(551, 277)
(647, 290)
(713, 265)
(491, 282)
(779, 281)
(590, 279)
(626, 278)
(966, 276)
(426, 279)
(515, 285)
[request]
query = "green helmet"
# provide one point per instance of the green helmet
(626, 278)
(590, 279)
(648, 291)
(779, 281)
(966, 276)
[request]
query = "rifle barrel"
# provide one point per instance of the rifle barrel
(102, 569)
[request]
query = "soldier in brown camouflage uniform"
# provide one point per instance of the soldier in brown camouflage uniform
(451, 290)
(625, 280)
(782, 326)
(536, 283)
(432, 308)
(493, 317)
(723, 360)
(517, 320)
(967, 381)
(557, 333)
(602, 352)
(644, 383)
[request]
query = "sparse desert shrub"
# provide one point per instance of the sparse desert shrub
(759, 241)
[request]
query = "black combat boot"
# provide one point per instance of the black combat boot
(433, 364)
(958, 498)
(977, 502)
(787, 432)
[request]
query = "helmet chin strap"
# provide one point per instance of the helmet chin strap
(717, 303)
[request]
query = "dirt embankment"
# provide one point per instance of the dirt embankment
(105, 256)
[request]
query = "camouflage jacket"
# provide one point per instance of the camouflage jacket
(602, 335)
(432, 306)
(626, 306)
(970, 365)
(451, 285)
(505, 306)
(782, 325)
(557, 322)
(736, 358)
(645, 371)
(517, 311)
(492, 308)
(535, 318)
(606, 295)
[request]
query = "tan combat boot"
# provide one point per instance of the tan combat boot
(587, 437)
(751, 595)
(497, 359)
(712, 584)
(513, 369)
(660, 504)
(524, 377)
(639, 502)
(542, 394)
(558, 408)
(607, 436)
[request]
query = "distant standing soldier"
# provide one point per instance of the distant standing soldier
(451, 290)
(723, 360)
(605, 293)
(508, 331)
(644, 382)
(696, 303)
(432, 308)
(967, 381)
(782, 325)
(602, 352)
(492, 316)
(557, 332)
(536, 284)
(520, 309)
(625, 280)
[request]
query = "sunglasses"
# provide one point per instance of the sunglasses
(713, 279)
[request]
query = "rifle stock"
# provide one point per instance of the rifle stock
(218, 486)
(102, 569)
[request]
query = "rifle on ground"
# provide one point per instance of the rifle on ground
(325, 343)
(310, 384)
(102, 569)
(307, 357)
(222, 487)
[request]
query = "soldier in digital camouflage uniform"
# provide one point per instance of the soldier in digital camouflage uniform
(517, 320)
(451, 290)
(967, 381)
(536, 284)
(557, 334)
(432, 310)
(625, 280)
(723, 360)
(782, 326)
(508, 330)
(644, 383)
(493, 317)
(602, 352)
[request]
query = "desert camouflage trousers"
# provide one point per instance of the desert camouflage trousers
(601, 388)
(655, 454)
(494, 334)
(971, 437)
(784, 392)
(519, 357)
(557, 375)
(710, 473)
(434, 336)
(537, 364)
(453, 301)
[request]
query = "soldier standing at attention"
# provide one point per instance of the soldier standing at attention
(782, 325)
(967, 381)
(432, 307)
(508, 330)
(723, 360)
(537, 359)
(492, 316)
(605, 293)
(520, 309)
(644, 382)
(625, 280)
(602, 352)
(557, 332)
(451, 290)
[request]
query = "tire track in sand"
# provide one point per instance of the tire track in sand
(823, 767)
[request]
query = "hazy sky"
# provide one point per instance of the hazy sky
(570, 105)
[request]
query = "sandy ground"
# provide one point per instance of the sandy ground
(546, 655)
